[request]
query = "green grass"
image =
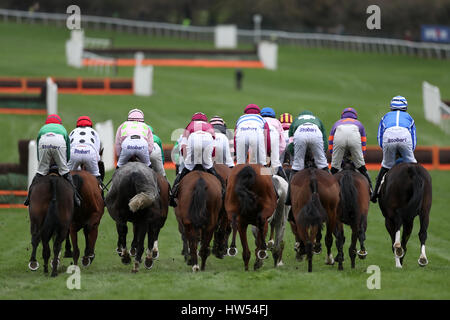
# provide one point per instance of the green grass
(320, 80)
(171, 278)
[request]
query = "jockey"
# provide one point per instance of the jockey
(197, 147)
(134, 138)
(252, 132)
(222, 144)
(396, 133)
(278, 143)
(85, 148)
(348, 134)
(286, 121)
(307, 131)
(157, 155)
(53, 145)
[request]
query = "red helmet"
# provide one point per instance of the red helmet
(53, 118)
(252, 109)
(199, 116)
(84, 121)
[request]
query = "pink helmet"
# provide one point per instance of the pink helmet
(199, 116)
(136, 115)
(252, 109)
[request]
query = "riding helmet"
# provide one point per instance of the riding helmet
(84, 121)
(252, 109)
(136, 115)
(349, 113)
(199, 116)
(268, 112)
(399, 103)
(53, 118)
(286, 120)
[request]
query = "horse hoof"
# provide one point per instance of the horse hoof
(329, 261)
(133, 252)
(422, 262)
(195, 268)
(300, 257)
(232, 251)
(280, 263)
(262, 254)
(54, 274)
(126, 259)
(317, 249)
(270, 245)
(34, 265)
(148, 263)
(362, 254)
(119, 252)
(399, 252)
(155, 254)
(86, 261)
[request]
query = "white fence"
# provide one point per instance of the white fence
(436, 111)
(355, 43)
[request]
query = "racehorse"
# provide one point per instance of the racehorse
(278, 221)
(160, 211)
(51, 210)
(200, 194)
(133, 192)
(315, 200)
(406, 193)
(223, 230)
(87, 216)
(354, 206)
(250, 199)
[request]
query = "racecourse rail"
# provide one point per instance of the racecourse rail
(344, 42)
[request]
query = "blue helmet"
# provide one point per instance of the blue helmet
(268, 112)
(399, 103)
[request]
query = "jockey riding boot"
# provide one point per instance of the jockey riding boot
(334, 170)
(174, 194)
(33, 182)
(288, 198)
(326, 169)
(364, 172)
(380, 176)
(100, 183)
(281, 173)
(76, 195)
(213, 171)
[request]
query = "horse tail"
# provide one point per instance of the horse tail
(198, 213)
(247, 198)
(143, 198)
(51, 219)
(313, 213)
(349, 197)
(415, 202)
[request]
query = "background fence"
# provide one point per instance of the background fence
(342, 42)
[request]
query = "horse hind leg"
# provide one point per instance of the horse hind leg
(57, 244)
(232, 250)
(68, 249)
(362, 253)
(76, 250)
(424, 219)
(33, 265)
(141, 231)
(205, 250)
(352, 248)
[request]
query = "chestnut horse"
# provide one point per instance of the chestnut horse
(200, 201)
(87, 216)
(315, 200)
(51, 211)
(354, 206)
(133, 193)
(250, 199)
(406, 193)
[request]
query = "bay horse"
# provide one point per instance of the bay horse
(133, 192)
(315, 200)
(250, 199)
(87, 216)
(354, 206)
(51, 211)
(406, 193)
(160, 211)
(200, 198)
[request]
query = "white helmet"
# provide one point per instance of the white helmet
(399, 103)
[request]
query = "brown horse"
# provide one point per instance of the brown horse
(200, 198)
(315, 200)
(406, 193)
(158, 220)
(354, 206)
(51, 211)
(87, 216)
(250, 199)
(223, 230)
